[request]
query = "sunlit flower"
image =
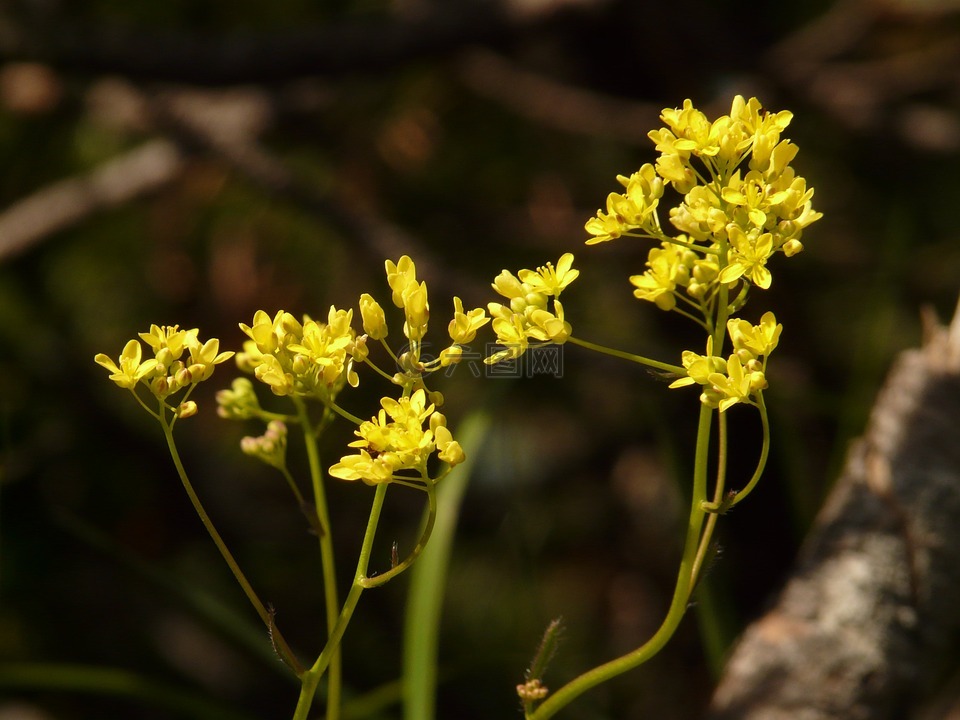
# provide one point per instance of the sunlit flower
(306, 358)
(754, 341)
(750, 252)
(463, 328)
(374, 320)
(395, 441)
(548, 280)
(130, 370)
(534, 312)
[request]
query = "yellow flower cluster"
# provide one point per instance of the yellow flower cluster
(534, 311)
(738, 378)
(742, 203)
(180, 361)
(305, 359)
(396, 441)
(411, 296)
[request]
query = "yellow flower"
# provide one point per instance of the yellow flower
(449, 449)
(700, 215)
(395, 441)
(416, 310)
(754, 341)
(608, 225)
(363, 466)
(168, 343)
(643, 192)
(166, 373)
(463, 328)
(736, 386)
(374, 320)
(130, 370)
(546, 326)
(451, 355)
(549, 281)
(699, 367)
(750, 194)
(204, 357)
(400, 276)
(529, 315)
(511, 334)
(325, 347)
(750, 253)
(304, 359)
(666, 268)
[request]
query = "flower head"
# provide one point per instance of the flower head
(534, 312)
(130, 370)
(548, 280)
(395, 445)
(307, 358)
(170, 370)
(463, 328)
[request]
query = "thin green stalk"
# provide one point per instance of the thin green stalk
(343, 413)
(718, 490)
(280, 643)
(627, 356)
(678, 605)
(311, 678)
(327, 558)
(764, 452)
(431, 516)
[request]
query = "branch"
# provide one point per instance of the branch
(67, 202)
(867, 625)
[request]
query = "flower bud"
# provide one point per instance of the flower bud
(374, 319)
(186, 409)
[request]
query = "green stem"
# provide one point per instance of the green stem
(311, 678)
(286, 654)
(379, 580)
(681, 594)
(343, 413)
(327, 558)
(718, 491)
(628, 356)
(764, 452)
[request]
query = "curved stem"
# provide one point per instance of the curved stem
(764, 452)
(327, 559)
(379, 580)
(293, 486)
(283, 650)
(678, 605)
(627, 356)
(341, 412)
(311, 678)
(718, 491)
(377, 369)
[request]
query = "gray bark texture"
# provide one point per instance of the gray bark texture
(867, 626)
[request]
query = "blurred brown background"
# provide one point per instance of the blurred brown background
(189, 163)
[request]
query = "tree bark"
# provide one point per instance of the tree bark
(867, 625)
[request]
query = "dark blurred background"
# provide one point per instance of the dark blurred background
(185, 162)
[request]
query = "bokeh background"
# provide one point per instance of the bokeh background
(190, 163)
